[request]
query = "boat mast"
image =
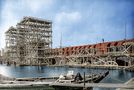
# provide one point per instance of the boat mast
(61, 51)
(61, 40)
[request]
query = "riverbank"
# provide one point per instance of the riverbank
(131, 68)
(112, 67)
(93, 67)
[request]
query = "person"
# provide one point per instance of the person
(78, 77)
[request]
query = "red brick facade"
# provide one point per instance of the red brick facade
(101, 47)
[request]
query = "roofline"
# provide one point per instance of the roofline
(25, 18)
(99, 43)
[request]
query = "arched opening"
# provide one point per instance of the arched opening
(108, 47)
(53, 61)
(121, 62)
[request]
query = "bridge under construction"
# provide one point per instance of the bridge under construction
(30, 43)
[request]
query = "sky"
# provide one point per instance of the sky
(79, 22)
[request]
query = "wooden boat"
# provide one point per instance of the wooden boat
(70, 78)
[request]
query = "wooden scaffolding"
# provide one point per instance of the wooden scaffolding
(27, 42)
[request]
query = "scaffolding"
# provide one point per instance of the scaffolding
(27, 42)
(113, 56)
(30, 43)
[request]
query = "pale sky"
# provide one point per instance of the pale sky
(80, 21)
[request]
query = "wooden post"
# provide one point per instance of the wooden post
(84, 79)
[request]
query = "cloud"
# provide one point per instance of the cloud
(68, 17)
(37, 5)
(8, 18)
(63, 23)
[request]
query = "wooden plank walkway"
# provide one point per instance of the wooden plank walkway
(104, 85)
(99, 85)
(51, 82)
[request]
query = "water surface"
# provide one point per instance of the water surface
(115, 76)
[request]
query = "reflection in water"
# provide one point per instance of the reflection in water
(115, 76)
(40, 69)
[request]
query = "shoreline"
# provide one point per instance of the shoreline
(127, 68)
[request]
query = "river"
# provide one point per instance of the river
(115, 76)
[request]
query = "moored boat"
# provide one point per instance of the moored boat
(71, 78)
(78, 79)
